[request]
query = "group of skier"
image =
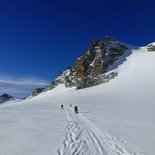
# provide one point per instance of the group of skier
(75, 108)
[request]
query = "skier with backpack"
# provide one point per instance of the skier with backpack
(76, 110)
(62, 107)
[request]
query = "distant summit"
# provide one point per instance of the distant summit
(92, 67)
(5, 97)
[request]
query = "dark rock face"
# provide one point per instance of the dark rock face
(5, 97)
(37, 91)
(151, 47)
(91, 68)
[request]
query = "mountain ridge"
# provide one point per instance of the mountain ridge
(5, 97)
(96, 66)
(91, 68)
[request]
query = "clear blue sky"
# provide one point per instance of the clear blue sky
(41, 38)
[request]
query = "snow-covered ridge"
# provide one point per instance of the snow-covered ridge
(153, 44)
(99, 64)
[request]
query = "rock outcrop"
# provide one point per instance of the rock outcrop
(91, 68)
(37, 91)
(151, 47)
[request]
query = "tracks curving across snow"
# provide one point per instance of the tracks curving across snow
(84, 138)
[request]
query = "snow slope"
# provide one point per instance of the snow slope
(83, 137)
(32, 127)
(117, 117)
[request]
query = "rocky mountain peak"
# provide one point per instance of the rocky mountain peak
(5, 97)
(91, 68)
(101, 54)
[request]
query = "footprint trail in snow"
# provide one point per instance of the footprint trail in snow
(82, 137)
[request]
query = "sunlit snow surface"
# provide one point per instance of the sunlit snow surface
(124, 108)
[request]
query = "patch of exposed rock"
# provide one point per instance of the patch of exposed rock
(151, 47)
(37, 91)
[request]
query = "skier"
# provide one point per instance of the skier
(62, 107)
(76, 110)
(70, 105)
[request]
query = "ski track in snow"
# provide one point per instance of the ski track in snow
(84, 138)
